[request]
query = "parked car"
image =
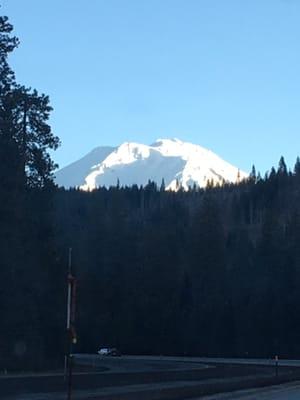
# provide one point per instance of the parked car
(109, 351)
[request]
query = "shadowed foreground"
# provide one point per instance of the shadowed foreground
(133, 378)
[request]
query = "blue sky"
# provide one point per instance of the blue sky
(222, 74)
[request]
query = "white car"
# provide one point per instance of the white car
(108, 351)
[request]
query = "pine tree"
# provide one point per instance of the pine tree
(7, 45)
(33, 135)
(26, 243)
(8, 148)
(10, 172)
(297, 167)
(282, 168)
(24, 114)
(252, 176)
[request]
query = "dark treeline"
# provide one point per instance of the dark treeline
(206, 272)
(203, 272)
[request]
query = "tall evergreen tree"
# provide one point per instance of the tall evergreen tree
(7, 45)
(297, 167)
(33, 135)
(282, 168)
(252, 176)
(8, 148)
(26, 237)
(25, 135)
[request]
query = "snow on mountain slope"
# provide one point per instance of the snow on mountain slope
(133, 163)
(74, 174)
(177, 162)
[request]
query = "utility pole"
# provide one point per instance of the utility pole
(71, 334)
(276, 367)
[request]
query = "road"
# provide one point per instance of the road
(289, 391)
(216, 360)
(248, 361)
(148, 377)
(137, 364)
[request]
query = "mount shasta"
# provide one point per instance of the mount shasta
(177, 163)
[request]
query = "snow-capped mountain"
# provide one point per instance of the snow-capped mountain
(177, 163)
(74, 175)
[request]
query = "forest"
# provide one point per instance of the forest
(210, 272)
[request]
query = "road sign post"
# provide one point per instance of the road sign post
(71, 333)
(276, 366)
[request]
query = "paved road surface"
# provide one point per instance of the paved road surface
(170, 362)
(137, 363)
(249, 361)
(139, 375)
(216, 360)
(289, 391)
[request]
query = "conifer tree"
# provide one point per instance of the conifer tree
(25, 135)
(33, 135)
(8, 149)
(7, 45)
(252, 176)
(26, 243)
(297, 167)
(282, 168)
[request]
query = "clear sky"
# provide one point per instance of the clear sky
(224, 74)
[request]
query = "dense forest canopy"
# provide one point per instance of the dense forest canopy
(212, 271)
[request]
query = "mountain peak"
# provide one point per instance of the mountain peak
(173, 160)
